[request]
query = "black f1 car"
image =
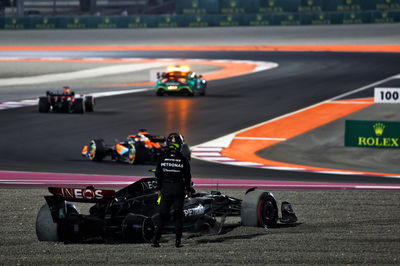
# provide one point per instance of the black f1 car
(136, 149)
(65, 102)
(129, 215)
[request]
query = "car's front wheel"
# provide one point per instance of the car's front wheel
(96, 150)
(90, 103)
(259, 208)
(131, 154)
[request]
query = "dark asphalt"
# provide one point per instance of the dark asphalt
(337, 227)
(52, 142)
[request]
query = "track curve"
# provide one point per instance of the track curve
(52, 142)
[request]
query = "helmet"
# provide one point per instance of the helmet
(66, 89)
(143, 132)
(174, 141)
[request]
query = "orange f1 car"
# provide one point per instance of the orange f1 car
(141, 148)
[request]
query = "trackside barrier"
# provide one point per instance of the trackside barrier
(372, 134)
(281, 6)
(265, 19)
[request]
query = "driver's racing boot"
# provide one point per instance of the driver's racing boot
(155, 243)
(178, 243)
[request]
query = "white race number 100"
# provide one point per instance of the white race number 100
(387, 95)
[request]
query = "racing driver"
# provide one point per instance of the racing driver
(173, 181)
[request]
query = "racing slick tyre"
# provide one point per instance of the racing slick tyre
(78, 106)
(46, 229)
(142, 155)
(186, 151)
(44, 106)
(137, 228)
(90, 103)
(259, 209)
(96, 150)
(131, 154)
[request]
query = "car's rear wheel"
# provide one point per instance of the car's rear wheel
(44, 105)
(46, 228)
(78, 106)
(142, 154)
(96, 150)
(90, 103)
(137, 228)
(259, 208)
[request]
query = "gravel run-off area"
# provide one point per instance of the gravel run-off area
(334, 227)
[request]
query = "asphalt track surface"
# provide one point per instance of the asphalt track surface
(335, 227)
(301, 80)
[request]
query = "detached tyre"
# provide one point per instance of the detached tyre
(90, 103)
(96, 150)
(46, 229)
(44, 105)
(259, 209)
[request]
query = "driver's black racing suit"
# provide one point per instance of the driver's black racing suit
(174, 181)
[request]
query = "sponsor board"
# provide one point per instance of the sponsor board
(372, 134)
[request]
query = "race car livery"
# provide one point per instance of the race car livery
(136, 149)
(130, 214)
(66, 102)
(180, 80)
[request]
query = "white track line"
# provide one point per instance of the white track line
(225, 141)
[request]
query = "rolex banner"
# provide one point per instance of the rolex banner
(374, 134)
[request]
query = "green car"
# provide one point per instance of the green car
(180, 80)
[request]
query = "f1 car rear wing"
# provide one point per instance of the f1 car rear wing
(141, 187)
(89, 194)
(60, 93)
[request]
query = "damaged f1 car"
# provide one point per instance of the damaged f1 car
(136, 149)
(129, 215)
(66, 102)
